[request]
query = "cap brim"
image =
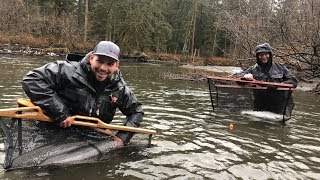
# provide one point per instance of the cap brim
(103, 54)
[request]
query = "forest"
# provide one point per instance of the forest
(202, 28)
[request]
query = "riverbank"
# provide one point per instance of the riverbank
(154, 57)
(197, 68)
(200, 73)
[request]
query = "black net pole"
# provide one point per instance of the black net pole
(285, 107)
(210, 91)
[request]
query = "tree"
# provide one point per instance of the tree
(300, 33)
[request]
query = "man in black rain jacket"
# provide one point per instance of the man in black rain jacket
(269, 71)
(91, 87)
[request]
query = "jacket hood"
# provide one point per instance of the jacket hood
(265, 47)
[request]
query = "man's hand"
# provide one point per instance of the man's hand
(117, 142)
(248, 77)
(66, 123)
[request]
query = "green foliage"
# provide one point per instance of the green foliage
(136, 25)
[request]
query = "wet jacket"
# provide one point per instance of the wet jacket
(266, 100)
(66, 88)
(270, 71)
(277, 73)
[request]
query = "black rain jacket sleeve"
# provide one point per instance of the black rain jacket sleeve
(41, 84)
(132, 109)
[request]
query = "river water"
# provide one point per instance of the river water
(192, 140)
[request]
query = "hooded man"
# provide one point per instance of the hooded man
(92, 86)
(267, 70)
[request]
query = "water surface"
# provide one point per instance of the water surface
(193, 141)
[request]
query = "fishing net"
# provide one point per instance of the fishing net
(249, 98)
(34, 143)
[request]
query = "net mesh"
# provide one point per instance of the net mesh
(34, 143)
(237, 96)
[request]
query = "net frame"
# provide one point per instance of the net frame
(218, 86)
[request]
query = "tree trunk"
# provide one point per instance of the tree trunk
(194, 18)
(86, 21)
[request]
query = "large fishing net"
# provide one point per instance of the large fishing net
(256, 100)
(35, 143)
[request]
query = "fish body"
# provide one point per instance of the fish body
(62, 154)
(66, 153)
(266, 115)
(88, 153)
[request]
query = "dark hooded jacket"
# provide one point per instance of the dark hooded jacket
(271, 71)
(66, 88)
(274, 101)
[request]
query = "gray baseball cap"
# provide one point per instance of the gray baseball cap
(107, 48)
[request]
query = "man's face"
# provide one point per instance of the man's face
(264, 57)
(103, 66)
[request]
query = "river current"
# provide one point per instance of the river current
(192, 140)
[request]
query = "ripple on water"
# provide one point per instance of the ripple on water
(161, 126)
(169, 146)
(315, 159)
(195, 142)
(205, 164)
(263, 171)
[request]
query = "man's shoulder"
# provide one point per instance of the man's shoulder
(279, 64)
(62, 66)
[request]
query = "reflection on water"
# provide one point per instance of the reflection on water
(13, 68)
(193, 142)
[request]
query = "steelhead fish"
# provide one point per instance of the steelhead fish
(266, 115)
(88, 153)
(67, 153)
